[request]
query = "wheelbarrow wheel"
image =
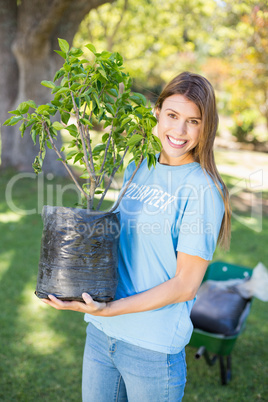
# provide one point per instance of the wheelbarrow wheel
(226, 371)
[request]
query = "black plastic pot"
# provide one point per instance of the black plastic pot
(79, 253)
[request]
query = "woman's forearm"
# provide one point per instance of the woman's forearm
(169, 292)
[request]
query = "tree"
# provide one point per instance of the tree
(238, 55)
(157, 39)
(29, 31)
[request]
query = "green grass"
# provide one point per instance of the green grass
(41, 349)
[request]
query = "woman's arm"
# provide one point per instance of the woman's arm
(189, 274)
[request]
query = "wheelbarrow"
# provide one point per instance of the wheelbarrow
(217, 346)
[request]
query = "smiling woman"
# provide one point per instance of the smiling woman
(179, 126)
(171, 219)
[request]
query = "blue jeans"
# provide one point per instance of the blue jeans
(116, 371)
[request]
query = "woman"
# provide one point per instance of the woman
(171, 219)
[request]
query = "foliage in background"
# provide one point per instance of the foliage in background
(155, 38)
(224, 40)
(88, 92)
(244, 39)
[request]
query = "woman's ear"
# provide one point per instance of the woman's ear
(157, 111)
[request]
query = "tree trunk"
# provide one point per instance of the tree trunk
(29, 34)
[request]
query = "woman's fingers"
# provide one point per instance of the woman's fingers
(93, 307)
(59, 304)
(90, 306)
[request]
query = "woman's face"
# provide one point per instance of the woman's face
(179, 126)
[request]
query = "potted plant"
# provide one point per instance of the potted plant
(79, 245)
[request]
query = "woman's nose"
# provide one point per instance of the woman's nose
(180, 127)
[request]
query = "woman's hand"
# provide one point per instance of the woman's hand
(90, 306)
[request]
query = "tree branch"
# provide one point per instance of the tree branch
(45, 127)
(127, 185)
(108, 142)
(81, 133)
(111, 179)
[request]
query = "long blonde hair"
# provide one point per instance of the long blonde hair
(199, 90)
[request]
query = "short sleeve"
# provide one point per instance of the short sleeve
(201, 220)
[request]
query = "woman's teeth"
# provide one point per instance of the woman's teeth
(176, 142)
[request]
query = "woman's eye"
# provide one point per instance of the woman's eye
(172, 115)
(195, 122)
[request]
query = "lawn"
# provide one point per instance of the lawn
(41, 349)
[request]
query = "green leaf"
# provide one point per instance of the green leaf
(85, 176)
(96, 99)
(30, 122)
(78, 157)
(34, 134)
(16, 112)
(107, 123)
(57, 125)
(42, 108)
(67, 67)
(23, 107)
(105, 137)
(110, 108)
(75, 85)
(125, 121)
(62, 90)
(139, 99)
(62, 149)
(91, 48)
(103, 73)
(71, 154)
(105, 54)
(48, 84)
(13, 121)
(151, 160)
(77, 102)
(31, 104)
(22, 128)
(157, 141)
(49, 145)
(62, 54)
(131, 128)
(65, 117)
(113, 92)
(59, 74)
(64, 45)
(76, 52)
(6, 123)
(99, 191)
(72, 130)
(109, 99)
(134, 139)
(86, 122)
(98, 148)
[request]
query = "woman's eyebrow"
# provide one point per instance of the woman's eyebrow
(174, 111)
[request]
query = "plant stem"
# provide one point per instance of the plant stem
(127, 185)
(91, 174)
(87, 135)
(45, 127)
(108, 142)
(111, 179)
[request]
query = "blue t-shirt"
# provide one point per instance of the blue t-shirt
(165, 209)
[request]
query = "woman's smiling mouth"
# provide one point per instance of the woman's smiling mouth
(176, 143)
